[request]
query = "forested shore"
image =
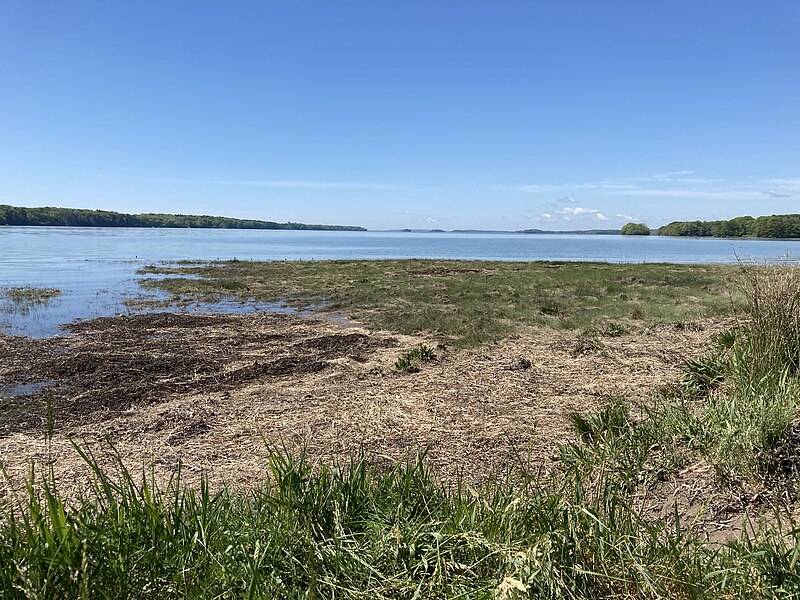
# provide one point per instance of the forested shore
(78, 217)
(772, 226)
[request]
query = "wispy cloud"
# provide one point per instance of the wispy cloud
(774, 194)
(671, 174)
(792, 182)
(281, 183)
(578, 211)
(728, 194)
(674, 177)
(660, 187)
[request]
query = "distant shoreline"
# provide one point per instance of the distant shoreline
(518, 231)
(79, 217)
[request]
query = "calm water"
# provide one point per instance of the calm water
(95, 267)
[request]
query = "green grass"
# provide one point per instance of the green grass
(410, 361)
(468, 303)
(362, 532)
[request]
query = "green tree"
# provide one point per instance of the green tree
(635, 229)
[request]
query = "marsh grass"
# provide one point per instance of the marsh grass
(748, 380)
(468, 303)
(24, 299)
(359, 531)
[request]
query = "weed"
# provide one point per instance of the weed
(613, 329)
(703, 374)
(410, 361)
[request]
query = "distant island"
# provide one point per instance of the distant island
(574, 232)
(79, 217)
(772, 226)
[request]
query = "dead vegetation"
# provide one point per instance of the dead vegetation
(213, 392)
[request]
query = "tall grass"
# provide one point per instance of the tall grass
(362, 532)
(748, 383)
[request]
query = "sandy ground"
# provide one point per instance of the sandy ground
(213, 392)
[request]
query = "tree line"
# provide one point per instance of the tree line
(79, 217)
(772, 226)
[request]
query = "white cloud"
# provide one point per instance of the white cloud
(547, 216)
(579, 210)
(626, 217)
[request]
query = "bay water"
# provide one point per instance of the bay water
(95, 268)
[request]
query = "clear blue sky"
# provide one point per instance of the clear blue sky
(461, 114)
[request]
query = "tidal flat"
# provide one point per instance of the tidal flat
(469, 303)
(595, 429)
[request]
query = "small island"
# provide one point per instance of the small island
(79, 217)
(635, 229)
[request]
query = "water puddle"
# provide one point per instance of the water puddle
(24, 389)
(102, 289)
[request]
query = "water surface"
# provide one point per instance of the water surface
(95, 267)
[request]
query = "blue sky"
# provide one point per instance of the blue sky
(388, 114)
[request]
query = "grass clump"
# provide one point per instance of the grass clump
(410, 361)
(588, 342)
(613, 329)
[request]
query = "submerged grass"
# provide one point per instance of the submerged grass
(24, 299)
(469, 303)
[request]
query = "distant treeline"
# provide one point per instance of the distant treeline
(773, 226)
(78, 217)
